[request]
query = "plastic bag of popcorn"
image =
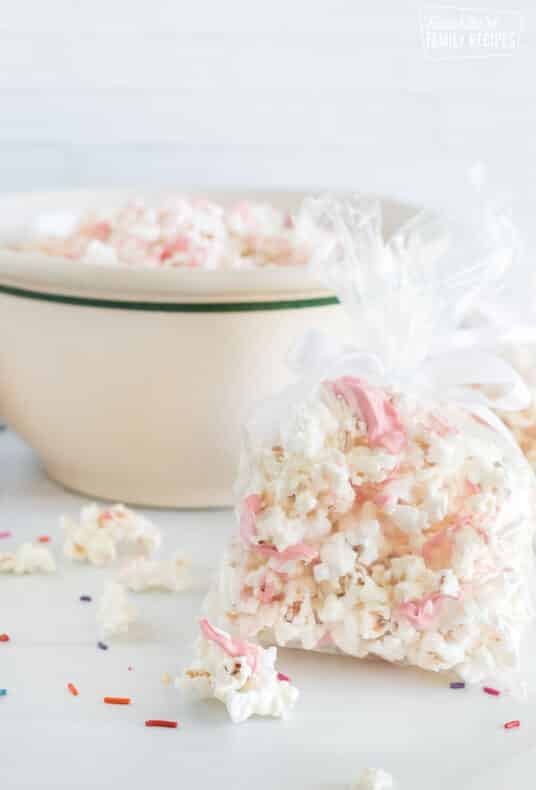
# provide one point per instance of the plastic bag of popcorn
(383, 509)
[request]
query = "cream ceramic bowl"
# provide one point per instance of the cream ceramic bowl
(133, 384)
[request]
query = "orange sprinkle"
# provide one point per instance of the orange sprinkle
(511, 725)
(117, 700)
(4, 637)
(161, 723)
(44, 539)
(72, 688)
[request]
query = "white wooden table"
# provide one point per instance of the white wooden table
(350, 715)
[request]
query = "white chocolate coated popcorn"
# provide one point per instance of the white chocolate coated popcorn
(28, 558)
(374, 779)
(115, 613)
(144, 574)
(177, 232)
(414, 544)
(103, 533)
(241, 675)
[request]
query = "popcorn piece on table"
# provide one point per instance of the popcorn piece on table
(144, 574)
(29, 558)
(102, 533)
(239, 674)
(374, 779)
(115, 613)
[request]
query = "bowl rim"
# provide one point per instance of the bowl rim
(53, 279)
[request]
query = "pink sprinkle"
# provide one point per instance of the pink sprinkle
(233, 647)
(5, 534)
(282, 677)
(384, 427)
(492, 691)
(512, 725)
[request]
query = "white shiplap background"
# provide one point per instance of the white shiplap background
(250, 92)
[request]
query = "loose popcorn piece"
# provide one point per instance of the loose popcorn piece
(102, 533)
(143, 574)
(28, 558)
(239, 674)
(374, 779)
(115, 613)
(374, 524)
(180, 232)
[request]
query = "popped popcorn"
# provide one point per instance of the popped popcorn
(241, 675)
(144, 574)
(374, 779)
(115, 613)
(103, 533)
(184, 232)
(424, 556)
(29, 558)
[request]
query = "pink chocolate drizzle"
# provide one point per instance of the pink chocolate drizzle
(233, 647)
(422, 613)
(252, 505)
(384, 428)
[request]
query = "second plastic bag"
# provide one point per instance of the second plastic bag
(383, 509)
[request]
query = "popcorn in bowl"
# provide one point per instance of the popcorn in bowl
(176, 232)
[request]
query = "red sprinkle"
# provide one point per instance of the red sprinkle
(4, 637)
(489, 690)
(281, 676)
(511, 725)
(44, 539)
(161, 723)
(72, 688)
(117, 700)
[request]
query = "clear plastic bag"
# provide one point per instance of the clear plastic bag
(383, 509)
(504, 318)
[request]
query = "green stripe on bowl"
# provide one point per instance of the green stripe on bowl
(169, 307)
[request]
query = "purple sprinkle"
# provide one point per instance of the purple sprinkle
(85, 597)
(458, 685)
(102, 646)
